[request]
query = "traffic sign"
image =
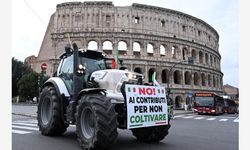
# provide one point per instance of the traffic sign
(44, 66)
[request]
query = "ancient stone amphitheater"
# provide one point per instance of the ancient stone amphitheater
(149, 39)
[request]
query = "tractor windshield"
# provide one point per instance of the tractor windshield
(92, 64)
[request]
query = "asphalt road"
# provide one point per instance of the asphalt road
(188, 131)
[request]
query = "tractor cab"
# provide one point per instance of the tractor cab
(89, 61)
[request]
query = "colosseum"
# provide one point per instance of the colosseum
(148, 38)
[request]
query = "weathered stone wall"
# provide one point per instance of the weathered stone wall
(165, 38)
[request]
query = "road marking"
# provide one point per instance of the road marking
(199, 118)
(211, 119)
(188, 117)
(223, 119)
(25, 124)
(23, 127)
(236, 120)
(20, 131)
(178, 116)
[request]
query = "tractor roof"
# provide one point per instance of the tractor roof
(86, 53)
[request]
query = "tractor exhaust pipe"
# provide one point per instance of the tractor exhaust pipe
(77, 85)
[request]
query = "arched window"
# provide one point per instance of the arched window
(150, 48)
(203, 79)
(178, 102)
(184, 53)
(177, 77)
(92, 45)
(150, 74)
(196, 78)
(165, 76)
(188, 78)
(201, 57)
(122, 45)
(211, 60)
(206, 59)
(174, 51)
(136, 47)
(107, 45)
(209, 80)
(193, 53)
(214, 82)
(215, 62)
(162, 50)
(138, 70)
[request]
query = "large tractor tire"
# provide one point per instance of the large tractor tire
(96, 125)
(151, 134)
(50, 112)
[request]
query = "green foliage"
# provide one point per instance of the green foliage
(27, 85)
(18, 70)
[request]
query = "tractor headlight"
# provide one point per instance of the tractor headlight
(131, 76)
(81, 69)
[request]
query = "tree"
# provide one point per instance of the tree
(18, 70)
(27, 85)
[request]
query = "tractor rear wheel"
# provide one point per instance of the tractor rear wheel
(50, 112)
(96, 125)
(151, 134)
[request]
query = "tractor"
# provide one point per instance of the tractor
(87, 93)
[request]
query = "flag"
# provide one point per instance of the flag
(155, 82)
(116, 57)
(113, 64)
(115, 60)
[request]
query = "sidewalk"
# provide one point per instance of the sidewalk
(30, 109)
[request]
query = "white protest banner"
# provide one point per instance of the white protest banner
(146, 106)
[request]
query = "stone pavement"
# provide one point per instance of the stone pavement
(30, 109)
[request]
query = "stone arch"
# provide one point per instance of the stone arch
(122, 45)
(209, 80)
(214, 82)
(194, 54)
(184, 53)
(215, 62)
(136, 46)
(196, 78)
(150, 73)
(150, 48)
(206, 58)
(162, 50)
(201, 57)
(165, 76)
(177, 77)
(174, 51)
(203, 79)
(138, 70)
(188, 78)
(178, 101)
(107, 45)
(211, 60)
(92, 45)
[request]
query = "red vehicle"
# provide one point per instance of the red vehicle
(208, 103)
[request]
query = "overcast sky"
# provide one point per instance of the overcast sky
(30, 19)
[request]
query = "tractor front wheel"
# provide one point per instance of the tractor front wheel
(49, 113)
(96, 125)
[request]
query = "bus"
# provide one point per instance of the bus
(230, 106)
(208, 103)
